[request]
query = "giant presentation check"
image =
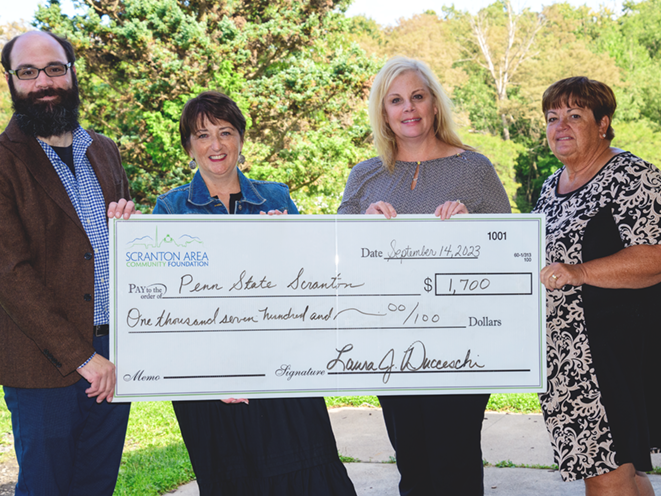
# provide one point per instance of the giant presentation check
(245, 306)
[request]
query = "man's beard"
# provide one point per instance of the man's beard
(50, 118)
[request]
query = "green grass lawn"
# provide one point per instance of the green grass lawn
(155, 459)
(513, 403)
(5, 429)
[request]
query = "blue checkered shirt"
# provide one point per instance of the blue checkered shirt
(87, 198)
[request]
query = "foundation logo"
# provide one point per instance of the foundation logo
(184, 251)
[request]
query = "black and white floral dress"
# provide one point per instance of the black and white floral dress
(594, 407)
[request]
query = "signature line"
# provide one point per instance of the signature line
(381, 372)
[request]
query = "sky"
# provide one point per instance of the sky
(385, 12)
(15, 10)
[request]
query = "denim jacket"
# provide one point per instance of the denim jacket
(194, 198)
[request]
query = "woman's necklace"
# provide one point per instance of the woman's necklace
(415, 177)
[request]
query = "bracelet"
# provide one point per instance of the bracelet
(88, 360)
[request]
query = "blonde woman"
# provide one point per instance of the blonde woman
(422, 168)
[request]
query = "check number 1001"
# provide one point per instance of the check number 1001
(497, 236)
(517, 283)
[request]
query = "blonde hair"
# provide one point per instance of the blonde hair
(384, 138)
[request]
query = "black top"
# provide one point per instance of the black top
(66, 155)
(234, 197)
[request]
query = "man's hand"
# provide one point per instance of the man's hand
(100, 373)
(122, 208)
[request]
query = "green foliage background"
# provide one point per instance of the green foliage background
(300, 85)
(301, 72)
(622, 49)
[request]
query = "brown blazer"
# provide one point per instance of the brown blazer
(45, 321)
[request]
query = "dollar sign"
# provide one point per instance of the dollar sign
(428, 286)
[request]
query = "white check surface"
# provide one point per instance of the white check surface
(252, 306)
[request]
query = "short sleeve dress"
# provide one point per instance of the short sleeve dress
(595, 404)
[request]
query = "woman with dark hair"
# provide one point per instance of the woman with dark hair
(423, 168)
(270, 447)
(602, 249)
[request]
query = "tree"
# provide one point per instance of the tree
(425, 37)
(641, 21)
(503, 155)
(285, 63)
(558, 53)
(505, 40)
(11, 29)
(634, 42)
(7, 32)
(615, 50)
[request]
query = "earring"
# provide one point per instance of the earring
(242, 159)
(192, 164)
(603, 136)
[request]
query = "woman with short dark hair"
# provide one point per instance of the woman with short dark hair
(269, 447)
(602, 249)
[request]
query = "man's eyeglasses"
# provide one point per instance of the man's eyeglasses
(52, 70)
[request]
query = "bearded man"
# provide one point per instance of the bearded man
(58, 186)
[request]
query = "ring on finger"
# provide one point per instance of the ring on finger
(555, 278)
(459, 202)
